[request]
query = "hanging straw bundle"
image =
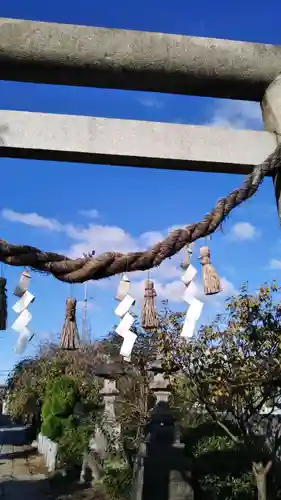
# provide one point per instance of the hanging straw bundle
(149, 320)
(3, 304)
(211, 280)
(70, 335)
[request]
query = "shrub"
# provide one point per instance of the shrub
(47, 408)
(73, 442)
(117, 478)
(59, 403)
(52, 427)
(65, 421)
(63, 395)
(222, 468)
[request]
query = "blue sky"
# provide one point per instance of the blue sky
(75, 208)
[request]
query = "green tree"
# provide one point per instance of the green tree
(61, 423)
(135, 399)
(233, 368)
(29, 380)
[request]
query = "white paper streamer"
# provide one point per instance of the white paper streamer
(24, 302)
(188, 328)
(125, 324)
(189, 275)
(190, 292)
(23, 284)
(26, 331)
(124, 306)
(124, 287)
(194, 310)
(195, 306)
(128, 344)
(21, 343)
(127, 320)
(22, 321)
(24, 316)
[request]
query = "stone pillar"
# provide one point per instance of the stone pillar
(159, 385)
(109, 393)
(271, 112)
(99, 444)
(161, 470)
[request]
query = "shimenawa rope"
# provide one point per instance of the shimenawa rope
(109, 263)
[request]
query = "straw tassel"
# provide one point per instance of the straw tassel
(211, 280)
(70, 336)
(3, 304)
(149, 320)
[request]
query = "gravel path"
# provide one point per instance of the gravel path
(19, 476)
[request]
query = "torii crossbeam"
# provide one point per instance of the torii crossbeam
(77, 55)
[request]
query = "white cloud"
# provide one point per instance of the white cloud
(274, 264)
(236, 114)
(151, 238)
(243, 231)
(91, 306)
(228, 289)
(91, 214)
(173, 291)
(151, 102)
(31, 219)
(44, 335)
(100, 238)
(167, 277)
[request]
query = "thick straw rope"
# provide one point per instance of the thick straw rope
(109, 263)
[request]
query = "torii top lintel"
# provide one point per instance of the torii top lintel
(122, 59)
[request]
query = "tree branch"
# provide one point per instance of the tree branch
(212, 413)
(268, 467)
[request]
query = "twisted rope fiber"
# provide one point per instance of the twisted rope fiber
(109, 263)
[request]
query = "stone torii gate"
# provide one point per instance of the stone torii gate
(84, 56)
(111, 58)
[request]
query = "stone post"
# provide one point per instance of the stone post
(109, 393)
(99, 444)
(159, 385)
(271, 112)
(108, 372)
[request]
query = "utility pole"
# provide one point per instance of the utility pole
(85, 305)
(84, 319)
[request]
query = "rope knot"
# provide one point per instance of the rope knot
(205, 256)
(71, 309)
(149, 290)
